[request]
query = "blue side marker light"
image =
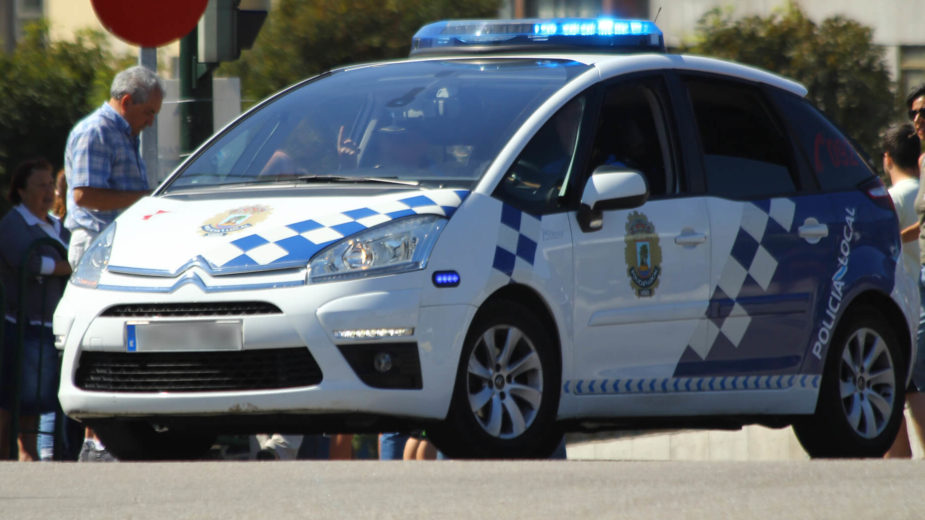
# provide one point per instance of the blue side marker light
(520, 35)
(446, 278)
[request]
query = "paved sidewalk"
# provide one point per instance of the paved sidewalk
(749, 443)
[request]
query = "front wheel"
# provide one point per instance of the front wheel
(138, 440)
(507, 389)
(862, 394)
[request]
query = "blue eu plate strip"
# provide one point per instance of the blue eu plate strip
(131, 343)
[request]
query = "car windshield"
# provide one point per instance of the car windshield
(430, 123)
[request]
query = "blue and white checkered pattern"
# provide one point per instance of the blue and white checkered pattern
(299, 241)
(689, 384)
(749, 264)
(518, 238)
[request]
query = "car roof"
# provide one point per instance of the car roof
(612, 65)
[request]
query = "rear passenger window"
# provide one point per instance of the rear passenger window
(745, 153)
(836, 163)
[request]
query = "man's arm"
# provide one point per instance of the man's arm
(910, 233)
(106, 199)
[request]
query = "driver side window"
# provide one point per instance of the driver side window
(631, 134)
(538, 177)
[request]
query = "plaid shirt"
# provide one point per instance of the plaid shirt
(101, 152)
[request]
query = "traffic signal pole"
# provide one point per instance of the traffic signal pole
(195, 96)
(147, 57)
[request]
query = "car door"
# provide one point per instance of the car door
(771, 241)
(641, 279)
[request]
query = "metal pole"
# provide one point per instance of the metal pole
(147, 57)
(187, 78)
(195, 95)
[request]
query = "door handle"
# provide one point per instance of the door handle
(690, 238)
(812, 231)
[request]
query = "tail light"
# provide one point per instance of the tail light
(875, 189)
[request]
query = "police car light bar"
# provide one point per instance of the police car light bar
(572, 34)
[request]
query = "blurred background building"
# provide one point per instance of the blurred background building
(895, 27)
(895, 23)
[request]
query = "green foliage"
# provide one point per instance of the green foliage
(302, 38)
(844, 72)
(44, 89)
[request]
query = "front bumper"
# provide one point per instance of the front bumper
(308, 319)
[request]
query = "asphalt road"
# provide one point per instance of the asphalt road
(492, 490)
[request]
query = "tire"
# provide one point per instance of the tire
(862, 395)
(139, 440)
(504, 399)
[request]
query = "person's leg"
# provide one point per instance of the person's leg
(900, 448)
(315, 447)
(39, 386)
(46, 440)
(47, 366)
(560, 450)
(411, 448)
(916, 403)
(6, 393)
(4, 434)
(915, 400)
(426, 451)
(342, 446)
(392, 445)
(28, 425)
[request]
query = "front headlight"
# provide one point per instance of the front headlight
(395, 247)
(95, 259)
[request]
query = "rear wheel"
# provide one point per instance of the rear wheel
(139, 440)
(862, 395)
(507, 389)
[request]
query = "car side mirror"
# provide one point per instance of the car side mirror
(610, 187)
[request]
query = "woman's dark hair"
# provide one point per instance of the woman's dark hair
(21, 176)
(915, 94)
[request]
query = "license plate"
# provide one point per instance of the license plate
(171, 336)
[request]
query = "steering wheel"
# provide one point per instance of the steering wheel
(527, 178)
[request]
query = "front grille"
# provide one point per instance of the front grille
(197, 371)
(153, 310)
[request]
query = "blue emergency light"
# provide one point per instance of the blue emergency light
(519, 35)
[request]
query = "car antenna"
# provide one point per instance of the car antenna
(657, 13)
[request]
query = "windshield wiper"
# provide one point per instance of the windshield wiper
(356, 180)
(295, 178)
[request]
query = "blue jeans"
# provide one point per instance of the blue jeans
(392, 446)
(315, 447)
(918, 371)
(38, 369)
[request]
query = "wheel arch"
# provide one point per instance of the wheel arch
(535, 303)
(892, 313)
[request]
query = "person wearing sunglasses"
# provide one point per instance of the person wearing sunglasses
(915, 398)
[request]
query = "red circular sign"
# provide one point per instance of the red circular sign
(149, 23)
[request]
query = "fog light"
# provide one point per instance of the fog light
(382, 362)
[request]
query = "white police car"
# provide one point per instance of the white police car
(528, 227)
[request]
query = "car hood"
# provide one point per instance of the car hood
(162, 236)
